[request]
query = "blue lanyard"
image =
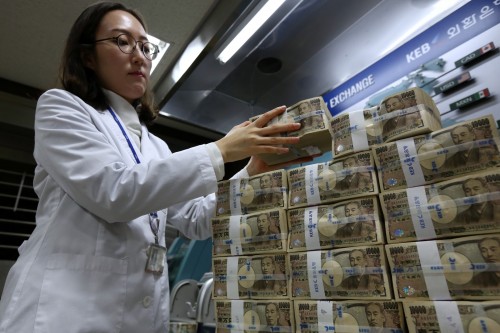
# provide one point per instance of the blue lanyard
(125, 135)
(154, 221)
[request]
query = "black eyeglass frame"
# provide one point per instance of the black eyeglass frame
(151, 56)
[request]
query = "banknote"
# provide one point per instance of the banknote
(315, 138)
(238, 316)
(350, 273)
(259, 232)
(467, 205)
(349, 316)
(408, 113)
(465, 268)
(355, 131)
(462, 316)
(347, 223)
(405, 114)
(247, 195)
(261, 276)
(466, 147)
(340, 179)
(182, 327)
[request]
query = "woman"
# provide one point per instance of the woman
(107, 187)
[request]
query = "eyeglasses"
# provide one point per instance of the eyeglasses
(127, 45)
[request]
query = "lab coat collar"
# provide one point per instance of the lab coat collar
(118, 103)
(127, 114)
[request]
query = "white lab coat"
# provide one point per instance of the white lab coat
(82, 269)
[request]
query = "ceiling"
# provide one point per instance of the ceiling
(308, 48)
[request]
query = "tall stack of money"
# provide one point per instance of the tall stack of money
(315, 139)
(238, 316)
(340, 179)
(248, 195)
(402, 115)
(348, 223)
(249, 261)
(462, 316)
(349, 316)
(454, 151)
(463, 268)
(335, 241)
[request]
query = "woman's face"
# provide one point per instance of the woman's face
(125, 74)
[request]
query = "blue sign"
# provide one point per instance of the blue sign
(460, 26)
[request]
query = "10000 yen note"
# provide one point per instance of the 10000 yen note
(236, 316)
(260, 232)
(247, 195)
(341, 179)
(468, 205)
(462, 316)
(351, 273)
(251, 277)
(408, 113)
(461, 149)
(347, 223)
(315, 139)
(458, 268)
(349, 316)
(402, 115)
(355, 131)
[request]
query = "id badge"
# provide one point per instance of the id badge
(156, 258)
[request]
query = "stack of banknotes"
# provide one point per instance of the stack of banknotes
(341, 179)
(315, 139)
(454, 151)
(182, 327)
(259, 232)
(464, 268)
(348, 223)
(248, 195)
(358, 272)
(457, 207)
(238, 316)
(261, 276)
(402, 115)
(459, 316)
(349, 316)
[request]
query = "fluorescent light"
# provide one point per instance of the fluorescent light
(249, 29)
(437, 9)
(162, 45)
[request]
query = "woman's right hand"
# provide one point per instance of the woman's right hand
(253, 138)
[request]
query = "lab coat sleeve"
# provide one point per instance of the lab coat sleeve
(73, 147)
(193, 219)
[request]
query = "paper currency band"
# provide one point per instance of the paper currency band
(448, 315)
(437, 286)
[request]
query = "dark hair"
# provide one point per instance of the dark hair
(79, 79)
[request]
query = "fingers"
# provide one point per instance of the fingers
(266, 117)
(280, 128)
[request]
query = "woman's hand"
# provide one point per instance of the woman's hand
(253, 138)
